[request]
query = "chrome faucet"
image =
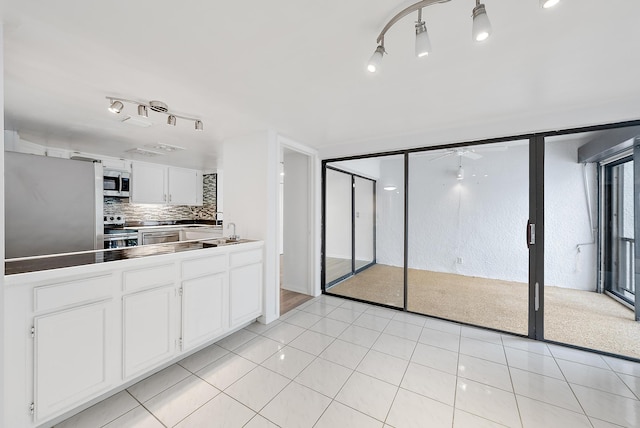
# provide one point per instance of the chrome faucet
(233, 237)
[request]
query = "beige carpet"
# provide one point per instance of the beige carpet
(581, 318)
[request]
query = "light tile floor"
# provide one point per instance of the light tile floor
(337, 363)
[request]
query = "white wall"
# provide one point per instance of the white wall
(296, 222)
(567, 219)
(364, 221)
(369, 167)
(2, 302)
(250, 201)
(482, 219)
(338, 215)
(390, 212)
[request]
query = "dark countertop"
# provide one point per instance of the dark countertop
(35, 264)
(148, 223)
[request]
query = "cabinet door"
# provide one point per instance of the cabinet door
(71, 359)
(182, 186)
(204, 309)
(148, 337)
(245, 289)
(148, 183)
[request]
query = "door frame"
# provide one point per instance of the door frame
(313, 204)
(353, 271)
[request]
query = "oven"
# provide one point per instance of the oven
(116, 183)
(119, 238)
(115, 235)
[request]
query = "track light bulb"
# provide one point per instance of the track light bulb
(116, 107)
(171, 120)
(546, 4)
(423, 44)
(460, 174)
(481, 26)
(142, 111)
(376, 59)
(199, 125)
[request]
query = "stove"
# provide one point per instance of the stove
(115, 236)
(113, 220)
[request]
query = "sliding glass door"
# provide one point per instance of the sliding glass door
(533, 236)
(466, 255)
(338, 221)
(369, 221)
(619, 242)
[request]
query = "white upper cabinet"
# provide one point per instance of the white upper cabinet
(160, 184)
(183, 187)
(148, 183)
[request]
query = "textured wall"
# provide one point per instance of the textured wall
(152, 212)
(482, 218)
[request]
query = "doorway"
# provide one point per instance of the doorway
(296, 231)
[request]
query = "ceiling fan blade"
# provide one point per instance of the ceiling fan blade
(491, 149)
(441, 156)
(471, 155)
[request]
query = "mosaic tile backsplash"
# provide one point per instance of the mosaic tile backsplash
(146, 212)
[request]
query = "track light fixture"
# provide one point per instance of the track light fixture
(481, 28)
(423, 44)
(376, 59)
(546, 4)
(117, 105)
(142, 111)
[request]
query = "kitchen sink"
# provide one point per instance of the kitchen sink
(220, 242)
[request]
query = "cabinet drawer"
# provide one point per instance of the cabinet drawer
(245, 257)
(72, 293)
(149, 277)
(204, 266)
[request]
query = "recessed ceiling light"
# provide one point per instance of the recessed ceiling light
(164, 147)
(144, 152)
(389, 188)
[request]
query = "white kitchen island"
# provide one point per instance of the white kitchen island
(77, 334)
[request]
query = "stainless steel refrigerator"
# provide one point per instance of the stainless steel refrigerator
(52, 205)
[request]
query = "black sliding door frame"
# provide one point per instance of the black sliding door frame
(354, 270)
(535, 229)
(535, 238)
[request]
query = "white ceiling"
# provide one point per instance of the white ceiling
(298, 67)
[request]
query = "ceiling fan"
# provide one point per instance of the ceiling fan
(467, 153)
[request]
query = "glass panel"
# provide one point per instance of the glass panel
(364, 221)
(619, 239)
(338, 225)
(588, 228)
(467, 258)
(383, 281)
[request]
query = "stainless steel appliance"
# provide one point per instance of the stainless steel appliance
(52, 205)
(115, 236)
(116, 183)
(160, 237)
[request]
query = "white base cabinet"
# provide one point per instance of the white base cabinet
(246, 299)
(71, 359)
(78, 333)
(204, 309)
(147, 331)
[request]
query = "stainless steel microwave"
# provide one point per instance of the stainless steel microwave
(116, 183)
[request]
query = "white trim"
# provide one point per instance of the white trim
(314, 207)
